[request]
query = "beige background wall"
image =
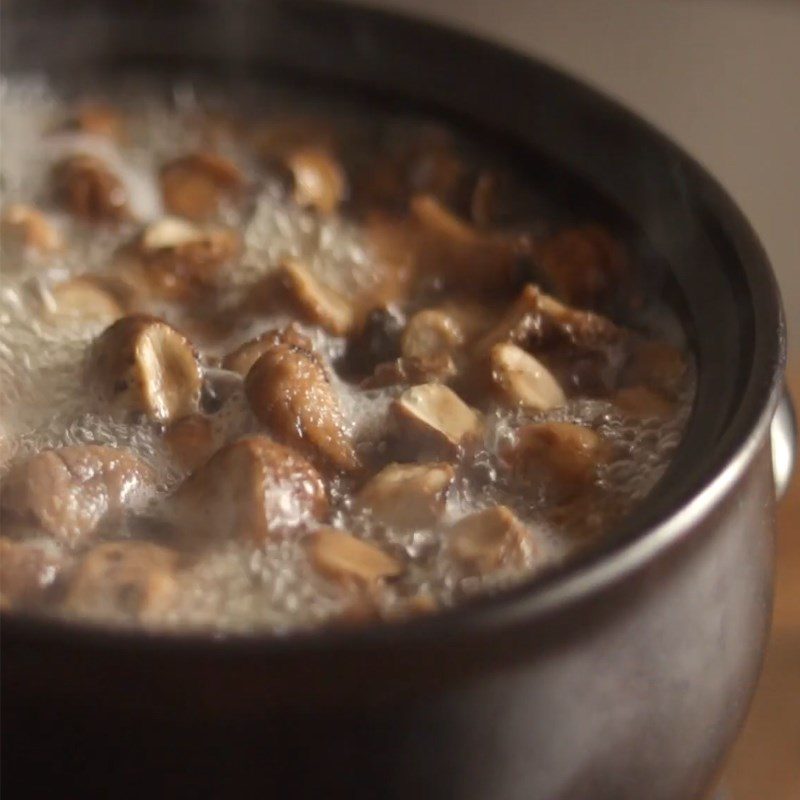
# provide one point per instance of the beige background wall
(721, 76)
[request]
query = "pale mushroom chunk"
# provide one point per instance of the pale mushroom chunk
(319, 181)
(431, 334)
(190, 440)
(489, 540)
(436, 416)
(27, 571)
(26, 230)
(194, 186)
(243, 357)
(290, 393)
(563, 454)
(88, 189)
(82, 299)
(141, 364)
(177, 259)
(315, 302)
(130, 581)
(71, 493)
(407, 496)
(345, 559)
(523, 381)
(251, 490)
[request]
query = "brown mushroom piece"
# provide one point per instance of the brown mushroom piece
(657, 365)
(72, 492)
(585, 264)
(411, 372)
(250, 490)
(536, 319)
(83, 298)
(131, 581)
(88, 189)
(465, 257)
(562, 455)
(178, 260)
(319, 180)
(243, 357)
(407, 496)
(522, 381)
(642, 402)
(141, 364)
(345, 559)
(97, 119)
(488, 540)
(190, 440)
(26, 230)
(432, 415)
(316, 302)
(27, 571)
(290, 392)
(195, 185)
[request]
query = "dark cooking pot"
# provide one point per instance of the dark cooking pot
(622, 675)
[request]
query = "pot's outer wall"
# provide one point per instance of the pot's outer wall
(628, 691)
(638, 698)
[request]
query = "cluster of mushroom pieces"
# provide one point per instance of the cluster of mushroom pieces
(448, 361)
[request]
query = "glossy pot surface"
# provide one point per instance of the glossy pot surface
(624, 674)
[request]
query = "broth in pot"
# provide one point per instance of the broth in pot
(277, 364)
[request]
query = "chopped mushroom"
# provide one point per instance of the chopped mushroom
(407, 496)
(190, 440)
(289, 391)
(194, 186)
(561, 454)
(538, 319)
(141, 364)
(131, 580)
(90, 190)
(437, 416)
(488, 540)
(25, 229)
(411, 372)
(657, 365)
(639, 401)
(346, 559)
(251, 490)
(177, 260)
(523, 381)
(468, 259)
(97, 119)
(27, 570)
(316, 302)
(243, 357)
(71, 492)
(85, 299)
(586, 265)
(431, 334)
(319, 180)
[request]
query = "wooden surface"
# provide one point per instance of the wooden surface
(765, 763)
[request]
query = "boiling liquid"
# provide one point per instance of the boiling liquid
(46, 403)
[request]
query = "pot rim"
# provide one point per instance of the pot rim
(579, 577)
